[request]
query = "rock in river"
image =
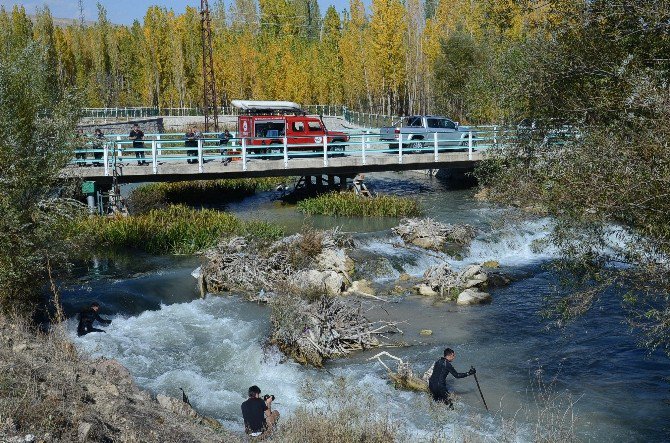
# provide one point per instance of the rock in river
(473, 296)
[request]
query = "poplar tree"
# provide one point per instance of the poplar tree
(386, 37)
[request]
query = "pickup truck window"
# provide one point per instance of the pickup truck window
(440, 123)
(413, 122)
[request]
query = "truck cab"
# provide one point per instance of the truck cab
(451, 136)
(265, 124)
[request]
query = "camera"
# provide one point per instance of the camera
(266, 396)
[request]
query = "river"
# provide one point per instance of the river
(214, 348)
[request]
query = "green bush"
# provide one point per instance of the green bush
(159, 195)
(351, 205)
(175, 230)
(37, 121)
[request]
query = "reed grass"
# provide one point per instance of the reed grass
(159, 195)
(347, 204)
(177, 229)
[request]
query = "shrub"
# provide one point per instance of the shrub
(159, 195)
(175, 230)
(37, 122)
(350, 205)
(338, 413)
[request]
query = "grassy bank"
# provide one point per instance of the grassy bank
(160, 195)
(174, 230)
(348, 204)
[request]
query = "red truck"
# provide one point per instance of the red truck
(265, 124)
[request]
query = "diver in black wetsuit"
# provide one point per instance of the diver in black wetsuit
(87, 317)
(438, 379)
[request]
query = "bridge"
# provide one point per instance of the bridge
(163, 157)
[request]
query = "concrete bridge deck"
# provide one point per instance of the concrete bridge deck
(129, 172)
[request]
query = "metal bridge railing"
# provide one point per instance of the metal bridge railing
(158, 150)
(145, 112)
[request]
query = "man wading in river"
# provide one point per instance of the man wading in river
(438, 379)
(86, 319)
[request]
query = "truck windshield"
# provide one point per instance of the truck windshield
(441, 123)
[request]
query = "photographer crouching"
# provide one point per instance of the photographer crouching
(259, 418)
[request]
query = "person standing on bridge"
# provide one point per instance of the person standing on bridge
(191, 141)
(224, 138)
(99, 145)
(137, 136)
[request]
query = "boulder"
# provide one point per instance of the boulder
(361, 287)
(404, 277)
(329, 281)
(496, 279)
(470, 271)
(426, 332)
(424, 289)
(491, 264)
(334, 260)
(83, 431)
(177, 406)
(473, 296)
(429, 234)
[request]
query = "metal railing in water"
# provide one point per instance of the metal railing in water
(158, 150)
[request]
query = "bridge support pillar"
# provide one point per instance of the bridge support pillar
(331, 181)
(343, 182)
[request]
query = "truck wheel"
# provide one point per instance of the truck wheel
(337, 150)
(415, 148)
(274, 149)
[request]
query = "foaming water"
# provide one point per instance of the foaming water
(210, 347)
(213, 349)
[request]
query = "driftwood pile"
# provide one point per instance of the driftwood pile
(325, 328)
(311, 261)
(234, 265)
(430, 234)
(403, 377)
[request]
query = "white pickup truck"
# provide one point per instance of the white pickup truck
(450, 135)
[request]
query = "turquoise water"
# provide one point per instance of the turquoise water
(215, 347)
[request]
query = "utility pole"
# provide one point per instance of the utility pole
(81, 13)
(209, 102)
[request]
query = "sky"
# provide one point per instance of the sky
(125, 11)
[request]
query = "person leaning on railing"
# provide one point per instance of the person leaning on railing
(137, 136)
(191, 141)
(98, 146)
(224, 138)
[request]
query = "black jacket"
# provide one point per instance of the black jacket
(86, 319)
(438, 379)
